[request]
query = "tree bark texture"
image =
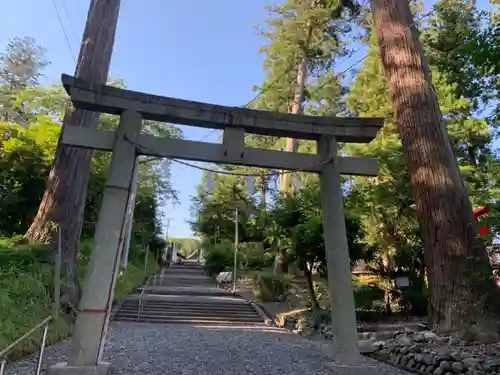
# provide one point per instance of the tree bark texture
(298, 98)
(460, 285)
(64, 198)
(292, 144)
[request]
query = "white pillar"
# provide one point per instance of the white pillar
(130, 216)
(346, 350)
(95, 305)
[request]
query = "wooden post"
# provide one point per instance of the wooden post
(95, 305)
(346, 354)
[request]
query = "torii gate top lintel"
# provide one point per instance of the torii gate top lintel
(113, 100)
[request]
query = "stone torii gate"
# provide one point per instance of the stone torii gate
(127, 142)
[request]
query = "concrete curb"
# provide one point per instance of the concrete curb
(263, 314)
(268, 318)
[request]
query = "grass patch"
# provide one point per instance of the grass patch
(26, 289)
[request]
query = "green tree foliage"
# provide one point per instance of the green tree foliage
(30, 132)
(460, 41)
(299, 227)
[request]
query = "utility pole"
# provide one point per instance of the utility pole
(167, 228)
(65, 194)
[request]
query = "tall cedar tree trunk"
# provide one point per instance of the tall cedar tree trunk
(461, 289)
(298, 98)
(64, 199)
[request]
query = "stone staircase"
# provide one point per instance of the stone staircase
(183, 294)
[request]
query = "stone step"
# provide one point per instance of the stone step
(189, 305)
(228, 315)
(180, 280)
(181, 320)
(185, 291)
(186, 311)
(194, 308)
(187, 271)
(187, 267)
(180, 283)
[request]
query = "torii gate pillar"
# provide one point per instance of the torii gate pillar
(347, 355)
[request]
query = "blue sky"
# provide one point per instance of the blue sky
(192, 49)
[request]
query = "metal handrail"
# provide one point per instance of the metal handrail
(45, 324)
(141, 302)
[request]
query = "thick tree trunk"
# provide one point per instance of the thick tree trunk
(460, 285)
(64, 198)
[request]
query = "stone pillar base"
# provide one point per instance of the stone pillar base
(65, 369)
(352, 370)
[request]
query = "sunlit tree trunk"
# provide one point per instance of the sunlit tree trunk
(459, 275)
(64, 199)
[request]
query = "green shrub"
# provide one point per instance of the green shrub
(218, 258)
(252, 256)
(369, 297)
(267, 286)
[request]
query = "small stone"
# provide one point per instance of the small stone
(469, 362)
(405, 350)
(404, 340)
(428, 335)
(456, 356)
(444, 356)
(445, 365)
(457, 367)
(438, 371)
(429, 369)
(378, 345)
(418, 337)
(384, 355)
(427, 359)
(404, 360)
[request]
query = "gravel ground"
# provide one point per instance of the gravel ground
(149, 349)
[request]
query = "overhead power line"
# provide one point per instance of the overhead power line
(64, 31)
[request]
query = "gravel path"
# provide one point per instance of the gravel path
(149, 349)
